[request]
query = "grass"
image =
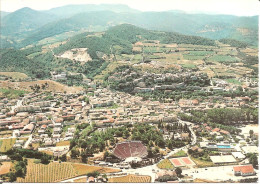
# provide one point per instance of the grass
(165, 164)
(63, 143)
(202, 163)
(193, 57)
(114, 106)
(11, 93)
(82, 169)
(233, 81)
(199, 53)
(180, 153)
(188, 66)
(222, 58)
(6, 144)
(130, 179)
(14, 75)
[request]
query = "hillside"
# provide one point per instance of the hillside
(33, 26)
(23, 21)
(90, 53)
(52, 86)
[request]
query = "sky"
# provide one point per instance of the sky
(233, 7)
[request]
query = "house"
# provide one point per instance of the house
(56, 130)
(91, 179)
(4, 158)
(244, 170)
(29, 128)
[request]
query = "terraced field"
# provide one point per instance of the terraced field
(130, 179)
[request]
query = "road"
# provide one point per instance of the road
(72, 179)
(18, 104)
(27, 142)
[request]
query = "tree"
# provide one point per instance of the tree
(251, 133)
(74, 153)
(253, 159)
(45, 159)
(178, 171)
(106, 154)
(19, 171)
(63, 158)
(12, 177)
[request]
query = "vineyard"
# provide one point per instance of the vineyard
(130, 179)
(82, 169)
(53, 172)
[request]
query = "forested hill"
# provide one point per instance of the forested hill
(27, 26)
(23, 21)
(123, 36)
(117, 40)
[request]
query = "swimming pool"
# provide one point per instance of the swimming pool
(223, 146)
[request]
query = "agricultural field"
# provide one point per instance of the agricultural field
(165, 164)
(53, 172)
(5, 167)
(82, 169)
(223, 59)
(6, 144)
(130, 179)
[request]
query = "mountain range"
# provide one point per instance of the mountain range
(27, 26)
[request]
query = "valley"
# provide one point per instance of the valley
(122, 98)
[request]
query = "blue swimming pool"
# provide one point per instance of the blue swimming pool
(223, 146)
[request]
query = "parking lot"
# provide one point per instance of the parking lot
(218, 174)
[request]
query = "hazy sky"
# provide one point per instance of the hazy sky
(234, 7)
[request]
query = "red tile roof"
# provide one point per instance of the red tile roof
(244, 169)
(215, 130)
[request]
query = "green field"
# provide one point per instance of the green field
(11, 93)
(180, 153)
(193, 57)
(223, 58)
(233, 81)
(188, 65)
(200, 53)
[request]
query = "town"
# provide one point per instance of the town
(150, 140)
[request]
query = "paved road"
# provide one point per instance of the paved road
(72, 179)
(18, 104)
(27, 142)
(190, 125)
